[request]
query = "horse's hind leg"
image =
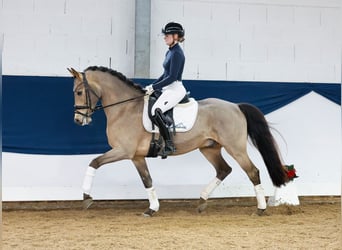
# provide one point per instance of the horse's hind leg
(214, 156)
(253, 174)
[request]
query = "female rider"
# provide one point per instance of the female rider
(169, 83)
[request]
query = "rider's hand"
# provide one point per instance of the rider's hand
(149, 89)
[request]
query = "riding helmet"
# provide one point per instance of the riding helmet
(173, 28)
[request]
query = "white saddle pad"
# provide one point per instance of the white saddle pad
(184, 116)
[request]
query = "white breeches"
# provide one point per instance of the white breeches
(170, 97)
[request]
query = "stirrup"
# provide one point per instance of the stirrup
(168, 149)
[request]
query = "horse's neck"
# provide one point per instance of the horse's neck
(114, 92)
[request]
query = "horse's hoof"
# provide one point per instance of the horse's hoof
(149, 213)
(260, 212)
(202, 205)
(87, 201)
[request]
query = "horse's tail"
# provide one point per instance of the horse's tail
(259, 132)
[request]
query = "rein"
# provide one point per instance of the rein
(98, 107)
(88, 89)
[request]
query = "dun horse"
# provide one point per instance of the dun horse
(219, 124)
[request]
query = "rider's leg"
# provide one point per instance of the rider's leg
(164, 131)
(170, 97)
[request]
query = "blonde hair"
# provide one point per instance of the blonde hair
(181, 39)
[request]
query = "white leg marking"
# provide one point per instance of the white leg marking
(260, 195)
(153, 198)
(210, 188)
(88, 180)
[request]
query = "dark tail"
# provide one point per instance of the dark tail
(259, 132)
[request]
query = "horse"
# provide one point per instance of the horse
(219, 124)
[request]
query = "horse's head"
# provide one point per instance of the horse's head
(85, 98)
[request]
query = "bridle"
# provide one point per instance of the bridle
(88, 104)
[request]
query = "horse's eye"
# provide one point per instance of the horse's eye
(79, 92)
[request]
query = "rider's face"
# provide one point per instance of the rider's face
(170, 39)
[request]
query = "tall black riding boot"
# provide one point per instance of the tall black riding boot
(165, 133)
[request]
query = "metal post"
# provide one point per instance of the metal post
(142, 38)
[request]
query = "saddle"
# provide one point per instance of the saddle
(183, 115)
(181, 118)
(169, 120)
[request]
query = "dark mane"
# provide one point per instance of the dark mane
(117, 74)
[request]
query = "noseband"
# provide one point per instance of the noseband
(88, 105)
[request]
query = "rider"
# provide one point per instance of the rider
(170, 82)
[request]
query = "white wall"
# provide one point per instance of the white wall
(262, 40)
(45, 37)
(257, 40)
(311, 127)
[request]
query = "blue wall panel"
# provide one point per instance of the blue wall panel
(38, 111)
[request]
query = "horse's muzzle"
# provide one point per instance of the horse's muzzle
(82, 120)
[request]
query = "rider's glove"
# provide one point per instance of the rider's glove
(149, 89)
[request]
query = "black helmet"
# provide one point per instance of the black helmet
(173, 28)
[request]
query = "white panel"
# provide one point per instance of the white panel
(195, 50)
(330, 17)
(18, 6)
(44, 39)
(41, 7)
(67, 25)
(294, 72)
(191, 69)
(311, 127)
(241, 71)
(85, 7)
(253, 52)
(253, 14)
(270, 71)
(229, 51)
(224, 14)
(280, 15)
(323, 73)
(214, 32)
(34, 26)
(200, 11)
(110, 45)
(97, 25)
(271, 34)
(14, 23)
(241, 32)
(20, 52)
(306, 16)
(307, 52)
(212, 69)
(280, 53)
(163, 11)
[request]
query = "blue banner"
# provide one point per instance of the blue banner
(38, 111)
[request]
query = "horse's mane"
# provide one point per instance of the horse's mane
(117, 74)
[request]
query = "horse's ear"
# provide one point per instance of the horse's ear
(74, 73)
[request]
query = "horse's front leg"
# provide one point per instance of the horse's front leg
(140, 164)
(112, 155)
